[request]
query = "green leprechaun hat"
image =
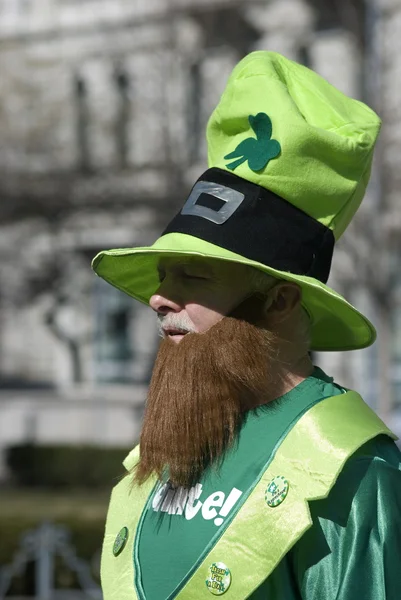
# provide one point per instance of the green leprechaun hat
(290, 159)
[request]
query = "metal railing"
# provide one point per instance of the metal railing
(41, 546)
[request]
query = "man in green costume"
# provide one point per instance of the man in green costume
(257, 475)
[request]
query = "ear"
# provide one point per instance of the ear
(282, 300)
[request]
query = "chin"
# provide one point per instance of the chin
(176, 338)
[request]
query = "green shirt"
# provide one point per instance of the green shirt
(178, 527)
(353, 549)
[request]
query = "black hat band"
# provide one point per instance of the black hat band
(247, 219)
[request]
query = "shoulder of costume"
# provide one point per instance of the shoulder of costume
(132, 458)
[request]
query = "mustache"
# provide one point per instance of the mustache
(174, 321)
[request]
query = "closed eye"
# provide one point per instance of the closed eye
(191, 276)
(182, 273)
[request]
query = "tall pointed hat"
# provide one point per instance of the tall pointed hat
(289, 161)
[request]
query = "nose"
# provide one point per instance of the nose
(163, 305)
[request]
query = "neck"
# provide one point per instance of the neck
(286, 376)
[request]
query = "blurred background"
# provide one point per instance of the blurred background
(103, 108)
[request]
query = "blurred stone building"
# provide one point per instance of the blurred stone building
(103, 107)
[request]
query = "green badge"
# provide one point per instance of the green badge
(219, 578)
(257, 151)
(120, 541)
(276, 491)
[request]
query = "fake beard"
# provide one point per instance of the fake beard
(199, 392)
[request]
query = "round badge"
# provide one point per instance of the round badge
(120, 541)
(219, 578)
(276, 491)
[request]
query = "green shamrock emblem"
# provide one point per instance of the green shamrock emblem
(257, 151)
(272, 489)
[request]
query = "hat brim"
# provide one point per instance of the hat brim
(335, 323)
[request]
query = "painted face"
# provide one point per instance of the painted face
(196, 293)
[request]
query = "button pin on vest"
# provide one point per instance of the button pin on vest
(218, 578)
(276, 492)
(120, 541)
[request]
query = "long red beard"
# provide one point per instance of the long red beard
(199, 392)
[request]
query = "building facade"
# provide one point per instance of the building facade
(103, 107)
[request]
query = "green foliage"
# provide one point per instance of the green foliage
(65, 466)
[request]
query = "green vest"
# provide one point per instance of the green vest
(310, 458)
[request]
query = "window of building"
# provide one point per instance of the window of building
(122, 84)
(113, 351)
(194, 108)
(82, 124)
(304, 56)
